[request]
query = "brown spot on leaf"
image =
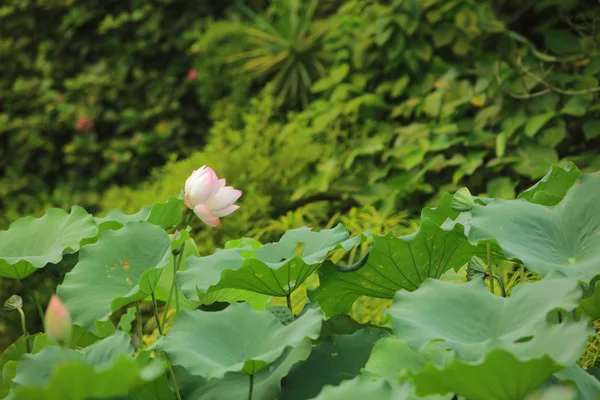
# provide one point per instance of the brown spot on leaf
(129, 281)
(126, 264)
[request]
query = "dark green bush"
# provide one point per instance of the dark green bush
(93, 93)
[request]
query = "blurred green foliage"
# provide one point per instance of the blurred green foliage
(419, 97)
(94, 93)
(352, 111)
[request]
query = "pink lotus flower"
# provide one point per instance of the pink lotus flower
(192, 74)
(57, 321)
(208, 196)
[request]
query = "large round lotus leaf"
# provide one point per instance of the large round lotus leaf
(76, 380)
(564, 238)
(237, 339)
(396, 263)
(122, 267)
(472, 321)
(499, 376)
(36, 369)
(275, 269)
(337, 358)
(31, 243)
(234, 386)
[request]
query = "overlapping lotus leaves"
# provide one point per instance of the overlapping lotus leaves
(76, 380)
(337, 358)
(499, 376)
(122, 267)
(472, 321)
(275, 269)
(163, 287)
(165, 215)
(50, 363)
(237, 339)
(551, 189)
(234, 386)
(588, 387)
(564, 238)
(396, 263)
(31, 243)
(369, 387)
(395, 360)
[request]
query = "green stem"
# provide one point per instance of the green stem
(501, 284)
(575, 314)
(288, 297)
(560, 318)
(173, 377)
(523, 277)
(24, 328)
(490, 268)
(155, 308)
(138, 320)
(34, 299)
(251, 387)
(176, 264)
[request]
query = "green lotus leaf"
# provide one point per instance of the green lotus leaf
(554, 393)
(588, 387)
(122, 267)
(157, 389)
(165, 215)
(394, 360)
(337, 358)
(363, 386)
(9, 371)
(396, 263)
(499, 376)
(275, 269)
(234, 386)
(163, 287)
(550, 190)
(254, 339)
(10, 358)
(76, 380)
(564, 238)
(517, 324)
(31, 243)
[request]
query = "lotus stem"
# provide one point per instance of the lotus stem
(288, 297)
(251, 387)
(138, 320)
(490, 268)
(155, 309)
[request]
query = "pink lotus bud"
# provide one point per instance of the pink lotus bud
(192, 74)
(208, 196)
(57, 321)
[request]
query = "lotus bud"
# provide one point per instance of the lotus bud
(57, 321)
(462, 201)
(208, 196)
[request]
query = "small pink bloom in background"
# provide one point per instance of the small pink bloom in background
(57, 321)
(208, 196)
(84, 124)
(192, 74)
